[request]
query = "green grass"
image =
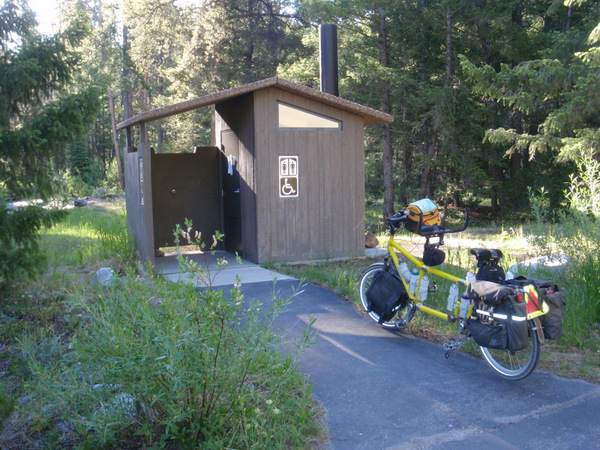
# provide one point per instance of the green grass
(89, 236)
(144, 363)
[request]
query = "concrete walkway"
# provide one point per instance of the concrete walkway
(248, 272)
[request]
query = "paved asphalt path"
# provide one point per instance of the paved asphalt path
(389, 390)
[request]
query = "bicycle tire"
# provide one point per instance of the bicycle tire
(515, 365)
(363, 284)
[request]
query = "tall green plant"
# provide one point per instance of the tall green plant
(583, 192)
(580, 238)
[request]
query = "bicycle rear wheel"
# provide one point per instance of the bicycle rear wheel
(363, 284)
(515, 365)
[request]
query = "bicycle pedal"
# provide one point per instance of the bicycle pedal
(449, 345)
(432, 286)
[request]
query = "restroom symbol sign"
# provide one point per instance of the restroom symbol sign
(288, 176)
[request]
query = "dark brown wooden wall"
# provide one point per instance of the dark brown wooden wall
(139, 214)
(186, 186)
(327, 219)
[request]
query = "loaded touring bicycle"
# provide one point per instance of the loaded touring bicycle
(507, 318)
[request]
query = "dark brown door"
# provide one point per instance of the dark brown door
(231, 192)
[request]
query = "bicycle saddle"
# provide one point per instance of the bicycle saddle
(486, 254)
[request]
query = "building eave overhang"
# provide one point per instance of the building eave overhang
(370, 116)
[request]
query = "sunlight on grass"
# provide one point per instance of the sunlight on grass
(87, 235)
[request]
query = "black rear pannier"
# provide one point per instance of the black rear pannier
(513, 315)
(548, 292)
(501, 321)
(552, 321)
(386, 295)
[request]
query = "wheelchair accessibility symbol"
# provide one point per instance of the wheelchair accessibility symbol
(288, 176)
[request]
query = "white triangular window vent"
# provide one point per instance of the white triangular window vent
(294, 117)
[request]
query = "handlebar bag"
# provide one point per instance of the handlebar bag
(423, 211)
(386, 295)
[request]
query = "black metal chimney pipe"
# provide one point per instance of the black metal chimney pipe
(328, 58)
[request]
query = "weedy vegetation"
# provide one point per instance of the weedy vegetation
(144, 362)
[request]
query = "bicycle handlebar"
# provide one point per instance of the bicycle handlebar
(395, 220)
(425, 230)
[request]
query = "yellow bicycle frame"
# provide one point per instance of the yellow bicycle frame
(394, 247)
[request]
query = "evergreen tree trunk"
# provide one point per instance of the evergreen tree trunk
(431, 152)
(111, 110)
(117, 149)
(448, 48)
(126, 93)
(498, 179)
(388, 150)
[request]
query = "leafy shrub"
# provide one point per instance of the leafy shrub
(111, 185)
(167, 362)
(578, 235)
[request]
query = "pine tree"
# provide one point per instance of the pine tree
(38, 117)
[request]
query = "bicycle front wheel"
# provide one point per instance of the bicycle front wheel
(515, 365)
(363, 284)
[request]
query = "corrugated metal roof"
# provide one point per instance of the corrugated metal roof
(369, 115)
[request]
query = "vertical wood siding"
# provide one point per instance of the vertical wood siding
(327, 219)
(139, 216)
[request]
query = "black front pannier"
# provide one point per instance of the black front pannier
(386, 295)
(488, 335)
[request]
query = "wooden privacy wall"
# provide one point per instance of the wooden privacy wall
(138, 190)
(186, 186)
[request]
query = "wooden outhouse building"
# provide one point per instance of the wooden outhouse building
(283, 178)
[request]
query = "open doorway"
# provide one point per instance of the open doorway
(232, 212)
